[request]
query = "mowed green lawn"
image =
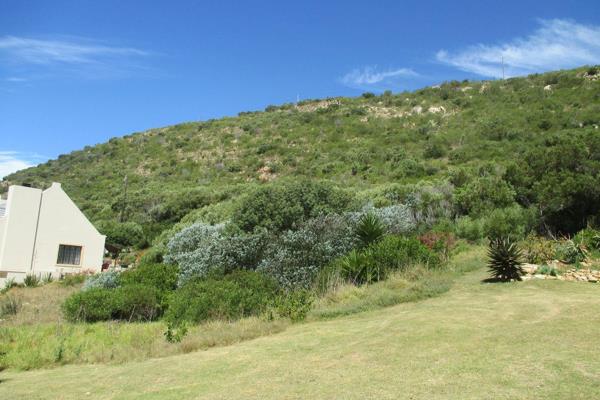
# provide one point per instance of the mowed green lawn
(527, 340)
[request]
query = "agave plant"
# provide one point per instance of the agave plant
(369, 229)
(504, 260)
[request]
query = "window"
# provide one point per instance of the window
(69, 255)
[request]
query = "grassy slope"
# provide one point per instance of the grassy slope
(39, 337)
(529, 340)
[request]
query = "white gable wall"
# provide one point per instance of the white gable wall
(35, 225)
(61, 222)
(16, 248)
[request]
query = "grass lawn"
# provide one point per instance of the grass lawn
(527, 340)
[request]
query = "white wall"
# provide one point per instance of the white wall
(61, 222)
(20, 223)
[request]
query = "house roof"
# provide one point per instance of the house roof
(2, 208)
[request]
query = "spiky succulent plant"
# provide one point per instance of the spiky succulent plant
(504, 260)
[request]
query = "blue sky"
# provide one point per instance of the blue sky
(76, 73)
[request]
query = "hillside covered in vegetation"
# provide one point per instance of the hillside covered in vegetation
(530, 142)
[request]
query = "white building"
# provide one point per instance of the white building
(44, 232)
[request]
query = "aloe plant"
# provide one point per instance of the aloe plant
(505, 260)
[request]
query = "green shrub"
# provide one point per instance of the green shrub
(375, 262)
(537, 249)
(233, 296)
(514, 222)
(123, 234)
(281, 207)
(589, 238)
(160, 276)
(484, 194)
(129, 303)
(470, 228)
(96, 304)
(571, 252)
(294, 305)
(154, 255)
(137, 303)
(504, 260)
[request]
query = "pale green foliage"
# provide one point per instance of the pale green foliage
(105, 280)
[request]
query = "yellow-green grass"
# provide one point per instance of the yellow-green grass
(39, 337)
(525, 340)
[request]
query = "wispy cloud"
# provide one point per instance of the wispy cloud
(372, 78)
(79, 56)
(556, 44)
(12, 161)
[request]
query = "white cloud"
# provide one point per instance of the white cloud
(371, 77)
(71, 55)
(39, 51)
(556, 44)
(12, 161)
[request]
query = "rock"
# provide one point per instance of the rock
(548, 87)
(530, 268)
(539, 276)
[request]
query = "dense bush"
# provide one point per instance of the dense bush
(281, 207)
(561, 174)
(137, 303)
(201, 249)
(294, 305)
(236, 295)
(396, 219)
(484, 194)
(123, 234)
(470, 228)
(160, 276)
(537, 249)
(392, 253)
(295, 257)
(514, 222)
(129, 303)
(96, 304)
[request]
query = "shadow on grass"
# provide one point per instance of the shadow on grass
(497, 280)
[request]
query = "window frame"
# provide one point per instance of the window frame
(81, 248)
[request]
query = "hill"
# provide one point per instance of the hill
(365, 143)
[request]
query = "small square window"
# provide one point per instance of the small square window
(69, 255)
